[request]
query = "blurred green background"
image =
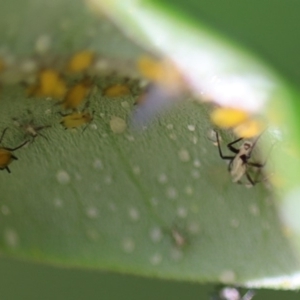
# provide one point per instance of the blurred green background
(20, 280)
(269, 28)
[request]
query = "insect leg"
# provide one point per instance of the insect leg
(3, 133)
(20, 146)
(42, 136)
(232, 143)
(7, 169)
(249, 295)
(220, 151)
(253, 182)
(257, 165)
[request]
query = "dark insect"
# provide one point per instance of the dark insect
(6, 155)
(239, 163)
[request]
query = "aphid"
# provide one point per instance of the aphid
(232, 293)
(238, 165)
(81, 61)
(77, 94)
(6, 155)
(117, 90)
(77, 119)
(30, 128)
(50, 84)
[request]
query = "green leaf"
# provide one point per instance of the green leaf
(156, 202)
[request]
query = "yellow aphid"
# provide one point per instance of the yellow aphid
(50, 84)
(76, 119)
(249, 129)
(6, 155)
(228, 117)
(80, 61)
(77, 94)
(160, 71)
(117, 90)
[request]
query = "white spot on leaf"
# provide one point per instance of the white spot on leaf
(63, 177)
(156, 235)
(11, 238)
(128, 245)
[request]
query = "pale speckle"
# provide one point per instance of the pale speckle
(130, 138)
(194, 140)
(254, 210)
(156, 259)
(104, 135)
(112, 206)
(128, 245)
(117, 125)
(42, 44)
(191, 127)
(101, 65)
(193, 227)
(189, 190)
(211, 134)
(173, 136)
(93, 126)
(234, 223)
(97, 164)
(162, 178)
(154, 201)
(11, 238)
(125, 104)
(196, 163)
(156, 235)
(58, 203)
(108, 180)
(182, 212)
(102, 115)
(134, 214)
(92, 234)
(92, 212)
(171, 192)
(63, 177)
(184, 155)
(136, 170)
(5, 210)
(176, 254)
(78, 177)
(97, 187)
(170, 126)
(48, 111)
(227, 276)
(195, 174)
(28, 66)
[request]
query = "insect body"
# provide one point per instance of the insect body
(76, 119)
(30, 128)
(238, 165)
(77, 94)
(6, 155)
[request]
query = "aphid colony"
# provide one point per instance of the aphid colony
(72, 91)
